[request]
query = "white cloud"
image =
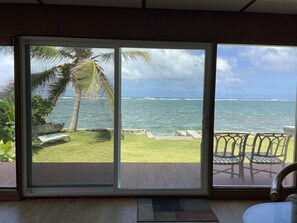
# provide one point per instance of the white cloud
(165, 64)
(280, 60)
(6, 69)
(181, 65)
(225, 74)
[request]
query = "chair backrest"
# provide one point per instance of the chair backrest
(228, 144)
(271, 145)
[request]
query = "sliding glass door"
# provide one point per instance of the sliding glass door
(114, 117)
(71, 115)
(162, 109)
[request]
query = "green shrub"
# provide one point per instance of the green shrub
(7, 131)
(7, 151)
(41, 107)
(7, 119)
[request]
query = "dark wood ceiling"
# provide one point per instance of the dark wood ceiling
(262, 6)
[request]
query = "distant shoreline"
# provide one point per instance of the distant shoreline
(164, 117)
(193, 99)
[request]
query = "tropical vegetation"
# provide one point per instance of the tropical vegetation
(7, 128)
(41, 108)
(7, 119)
(79, 68)
(7, 151)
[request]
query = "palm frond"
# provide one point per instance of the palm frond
(58, 88)
(7, 107)
(68, 52)
(7, 50)
(45, 52)
(42, 79)
(86, 78)
(127, 55)
(7, 89)
(135, 55)
(104, 57)
(84, 53)
(106, 87)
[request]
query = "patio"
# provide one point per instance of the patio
(133, 175)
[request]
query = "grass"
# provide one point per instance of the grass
(98, 147)
(139, 148)
(83, 147)
(87, 146)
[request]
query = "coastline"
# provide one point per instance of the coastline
(163, 117)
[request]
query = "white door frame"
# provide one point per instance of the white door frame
(116, 190)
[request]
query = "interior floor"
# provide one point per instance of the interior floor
(113, 210)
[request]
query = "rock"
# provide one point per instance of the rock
(181, 133)
(47, 128)
(150, 135)
(194, 134)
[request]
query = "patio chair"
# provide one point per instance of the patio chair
(229, 149)
(268, 149)
(49, 137)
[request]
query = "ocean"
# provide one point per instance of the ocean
(163, 116)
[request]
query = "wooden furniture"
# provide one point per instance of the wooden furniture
(229, 149)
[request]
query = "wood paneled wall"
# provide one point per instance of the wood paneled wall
(145, 24)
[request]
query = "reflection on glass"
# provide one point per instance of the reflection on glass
(72, 116)
(161, 119)
(256, 94)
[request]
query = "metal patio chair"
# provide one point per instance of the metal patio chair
(229, 149)
(268, 149)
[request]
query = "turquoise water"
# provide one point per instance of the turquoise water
(165, 116)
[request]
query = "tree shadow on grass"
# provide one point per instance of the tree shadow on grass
(103, 136)
(37, 148)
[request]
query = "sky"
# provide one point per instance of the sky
(243, 71)
(256, 72)
(6, 69)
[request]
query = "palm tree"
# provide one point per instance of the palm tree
(39, 52)
(83, 72)
(7, 108)
(7, 119)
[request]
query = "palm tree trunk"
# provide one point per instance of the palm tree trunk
(74, 119)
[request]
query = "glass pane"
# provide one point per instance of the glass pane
(7, 118)
(162, 91)
(72, 116)
(255, 94)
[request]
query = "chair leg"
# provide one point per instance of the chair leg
(241, 170)
(251, 172)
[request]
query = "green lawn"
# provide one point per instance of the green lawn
(87, 146)
(98, 147)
